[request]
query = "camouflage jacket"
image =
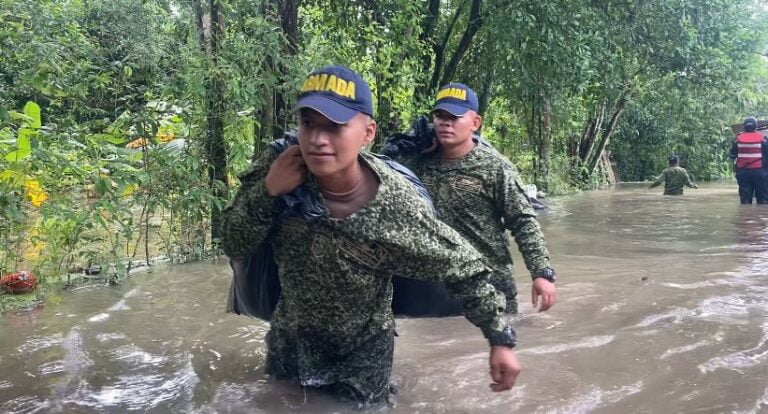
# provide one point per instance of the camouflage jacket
(336, 274)
(674, 178)
(480, 195)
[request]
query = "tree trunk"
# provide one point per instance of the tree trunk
(589, 137)
(485, 91)
(288, 12)
(275, 114)
(605, 135)
(428, 37)
(211, 35)
(545, 141)
(426, 91)
(473, 25)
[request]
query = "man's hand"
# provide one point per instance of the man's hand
(504, 368)
(546, 290)
(287, 172)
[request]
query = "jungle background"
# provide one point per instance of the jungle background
(124, 123)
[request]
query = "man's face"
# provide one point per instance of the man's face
(452, 130)
(329, 148)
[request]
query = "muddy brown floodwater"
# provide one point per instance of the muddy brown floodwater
(664, 308)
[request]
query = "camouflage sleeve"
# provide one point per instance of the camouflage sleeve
(427, 249)
(520, 219)
(246, 222)
(660, 179)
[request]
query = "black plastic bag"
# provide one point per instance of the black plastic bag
(422, 299)
(255, 287)
(255, 291)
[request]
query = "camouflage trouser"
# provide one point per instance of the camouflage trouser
(505, 283)
(361, 376)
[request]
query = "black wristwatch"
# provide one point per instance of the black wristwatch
(547, 273)
(506, 337)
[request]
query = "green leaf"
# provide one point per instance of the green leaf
(111, 138)
(32, 110)
(23, 146)
(101, 186)
(18, 116)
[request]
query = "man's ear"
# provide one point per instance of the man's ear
(476, 122)
(370, 131)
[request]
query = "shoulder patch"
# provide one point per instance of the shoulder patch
(371, 255)
(467, 183)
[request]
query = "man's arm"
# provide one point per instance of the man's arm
(734, 152)
(764, 150)
(688, 181)
(246, 222)
(425, 248)
(660, 179)
(520, 219)
(422, 247)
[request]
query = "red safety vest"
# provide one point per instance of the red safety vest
(750, 154)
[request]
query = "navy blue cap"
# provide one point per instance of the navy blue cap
(337, 92)
(673, 158)
(456, 98)
(750, 124)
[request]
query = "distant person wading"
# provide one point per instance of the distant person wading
(750, 150)
(674, 178)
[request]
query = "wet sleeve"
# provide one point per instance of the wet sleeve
(660, 179)
(425, 248)
(520, 219)
(247, 221)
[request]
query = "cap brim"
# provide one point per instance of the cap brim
(329, 108)
(453, 109)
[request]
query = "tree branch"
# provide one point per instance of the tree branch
(474, 24)
(440, 50)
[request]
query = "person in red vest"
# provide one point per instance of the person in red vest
(750, 151)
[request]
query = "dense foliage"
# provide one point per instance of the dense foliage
(124, 121)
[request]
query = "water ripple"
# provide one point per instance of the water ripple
(740, 360)
(138, 392)
(37, 343)
(598, 397)
(761, 406)
(677, 314)
(591, 342)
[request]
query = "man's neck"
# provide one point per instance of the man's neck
(342, 181)
(452, 153)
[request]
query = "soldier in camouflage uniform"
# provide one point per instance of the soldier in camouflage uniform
(674, 178)
(477, 191)
(333, 327)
